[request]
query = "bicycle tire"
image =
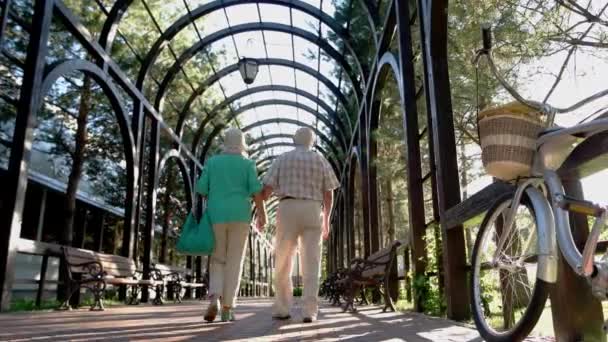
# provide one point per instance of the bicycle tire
(538, 298)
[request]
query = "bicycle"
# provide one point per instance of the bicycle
(515, 252)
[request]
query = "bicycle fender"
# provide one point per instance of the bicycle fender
(547, 245)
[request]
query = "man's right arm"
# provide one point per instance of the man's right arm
(271, 180)
(328, 203)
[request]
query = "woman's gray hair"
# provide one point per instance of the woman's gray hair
(304, 137)
(234, 142)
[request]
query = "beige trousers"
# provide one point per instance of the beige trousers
(226, 263)
(298, 219)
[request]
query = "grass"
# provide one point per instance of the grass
(30, 305)
(22, 305)
(404, 306)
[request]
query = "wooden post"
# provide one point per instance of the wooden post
(414, 169)
(577, 314)
(433, 33)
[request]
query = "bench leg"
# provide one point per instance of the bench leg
(65, 306)
(349, 298)
(388, 301)
(158, 298)
(134, 298)
(177, 293)
(98, 290)
(363, 300)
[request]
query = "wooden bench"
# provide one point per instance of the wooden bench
(95, 271)
(177, 279)
(372, 272)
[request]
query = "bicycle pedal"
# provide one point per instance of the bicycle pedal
(579, 206)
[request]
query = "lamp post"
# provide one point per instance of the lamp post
(248, 67)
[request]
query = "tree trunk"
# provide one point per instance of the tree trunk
(80, 142)
(167, 213)
(390, 210)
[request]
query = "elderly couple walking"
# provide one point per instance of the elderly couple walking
(304, 182)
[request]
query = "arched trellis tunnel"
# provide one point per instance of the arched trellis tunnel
(339, 99)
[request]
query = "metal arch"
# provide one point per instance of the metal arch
(201, 45)
(288, 89)
(62, 68)
(110, 26)
(279, 136)
(267, 159)
(183, 168)
(286, 136)
(373, 19)
(254, 152)
(388, 62)
(318, 132)
(205, 9)
(265, 61)
(66, 67)
(217, 130)
(237, 112)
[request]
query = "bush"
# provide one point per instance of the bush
(297, 292)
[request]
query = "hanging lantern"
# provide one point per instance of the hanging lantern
(249, 69)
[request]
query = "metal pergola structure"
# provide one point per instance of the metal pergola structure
(343, 110)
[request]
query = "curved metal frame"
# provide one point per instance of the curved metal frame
(234, 114)
(264, 139)
(183, 168)
(203, 10)
(252, 27)
(217, 130)
(264, 61)
(63, 68)
(110, 26)
(288, 89)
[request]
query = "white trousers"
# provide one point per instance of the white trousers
(298, 219)
(226, 263)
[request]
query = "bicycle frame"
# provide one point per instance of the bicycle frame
(553, 224)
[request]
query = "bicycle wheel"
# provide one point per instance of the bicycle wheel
(507, 298)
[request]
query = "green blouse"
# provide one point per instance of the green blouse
(229, 181)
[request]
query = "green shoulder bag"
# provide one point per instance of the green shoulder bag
(196, 238)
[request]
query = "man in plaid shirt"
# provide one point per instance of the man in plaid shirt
(304, 182)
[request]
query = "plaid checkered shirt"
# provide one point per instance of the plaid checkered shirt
(302, 174)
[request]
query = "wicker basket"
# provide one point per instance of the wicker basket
(508, 136)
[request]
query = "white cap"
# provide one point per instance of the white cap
(304, 137)
(234, 141)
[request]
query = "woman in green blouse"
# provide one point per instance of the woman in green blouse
(229, 181)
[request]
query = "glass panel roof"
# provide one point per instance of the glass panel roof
(223, 53)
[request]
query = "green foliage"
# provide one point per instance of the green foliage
(426, 290)
(30, 305)
(297, 292)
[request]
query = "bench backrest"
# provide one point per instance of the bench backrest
(383, 258)
(178, 273)
(113, 265)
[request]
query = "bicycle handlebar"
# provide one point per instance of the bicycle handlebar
(541, 106)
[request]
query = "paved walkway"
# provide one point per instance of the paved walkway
(183, 322)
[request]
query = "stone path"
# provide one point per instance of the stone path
(183, 322)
